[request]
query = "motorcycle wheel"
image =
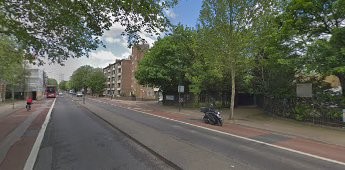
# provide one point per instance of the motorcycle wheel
(220, 123)
(205, 120)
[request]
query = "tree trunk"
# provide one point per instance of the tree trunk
(232, 104)
(12, 96)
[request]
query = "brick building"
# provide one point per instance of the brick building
(141, 92)
(121, 76)
(118, 81)
(109, 72)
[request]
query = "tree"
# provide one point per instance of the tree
(80, 78)
(11, 63)
(318, 28)
(52, 82)
(63, 85)
(71, 28)
(226, 27)
(97, 81)
(165, 65)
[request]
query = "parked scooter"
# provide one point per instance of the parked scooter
(212, 116)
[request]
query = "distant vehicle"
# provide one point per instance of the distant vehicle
(71, 91)
(51, 91)
(60, 93)
(79, 94)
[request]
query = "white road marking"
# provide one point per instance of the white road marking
(244, 138)
(30, 162)
(241, 137)
(252, 140)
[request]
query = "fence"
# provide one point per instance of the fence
(305, 109)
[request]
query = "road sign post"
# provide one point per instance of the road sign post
(180, 90)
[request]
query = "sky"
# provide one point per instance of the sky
(185, 12)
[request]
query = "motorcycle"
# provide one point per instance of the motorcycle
(212, 116)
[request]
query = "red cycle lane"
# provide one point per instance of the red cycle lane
(25, 137)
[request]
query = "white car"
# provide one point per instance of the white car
(79, 94)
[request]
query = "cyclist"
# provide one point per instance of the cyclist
(28, 103)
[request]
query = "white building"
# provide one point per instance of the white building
(36, 81)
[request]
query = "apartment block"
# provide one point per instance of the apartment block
(121, 77)
(118, 78)
(110, 74)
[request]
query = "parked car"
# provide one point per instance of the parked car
(79, 94)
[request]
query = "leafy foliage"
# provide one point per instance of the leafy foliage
(71, 28)
(88, 77)
(63, 85)
(165, 65)
(80, 78)
(97, 81)
(11, 61)
(52, 81)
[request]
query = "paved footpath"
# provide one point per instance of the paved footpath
(18, 131)
(289, 135)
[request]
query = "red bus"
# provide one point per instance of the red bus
(51, 91)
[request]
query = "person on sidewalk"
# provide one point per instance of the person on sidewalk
(28, 103)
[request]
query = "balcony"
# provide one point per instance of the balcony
(119, 74)
(119, 88)
(119, 66)
(118, 81)
(108, 88)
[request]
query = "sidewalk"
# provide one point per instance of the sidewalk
(7, 107)
(251, 123)
(256, 118)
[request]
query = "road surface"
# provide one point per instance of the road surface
(77, 139)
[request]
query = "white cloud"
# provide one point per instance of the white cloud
(112, 40)
(116, 49)
(170, 13)
(103, 58)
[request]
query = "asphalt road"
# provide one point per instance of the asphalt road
(239, 153)
(77, 139)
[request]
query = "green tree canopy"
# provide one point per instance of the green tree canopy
(52, 81)
(80, 78)
(63, 85)
(226, 28)
(318, 32)
(165, 65)
(71, 28)
(11, 61)
(97, 81)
